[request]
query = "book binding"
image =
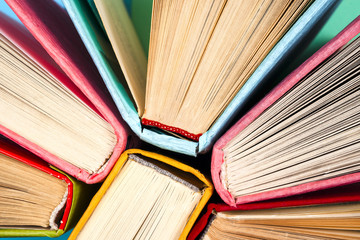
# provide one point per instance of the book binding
(90, 32)
(218, 156)
(345, 194)
(52, 28)
(207, 192)
(192, 136)
(77, 193)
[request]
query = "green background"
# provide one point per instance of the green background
(140, 11)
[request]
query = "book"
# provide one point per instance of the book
(327, 214)
(302, 136)
(126, 37)
(146, 196)
(59, 107)
(37, 199)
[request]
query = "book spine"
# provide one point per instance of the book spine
(192, 136)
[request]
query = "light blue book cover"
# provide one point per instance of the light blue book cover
(95, 41)
(344, 14)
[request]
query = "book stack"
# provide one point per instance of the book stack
(96, 93)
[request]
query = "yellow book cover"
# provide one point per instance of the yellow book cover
(108, 203)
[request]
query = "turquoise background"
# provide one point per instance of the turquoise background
(347, 11)
(140, 11)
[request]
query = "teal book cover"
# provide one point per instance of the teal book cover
(88, 24)
(140, 13)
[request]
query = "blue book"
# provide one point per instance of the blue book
(101, 51)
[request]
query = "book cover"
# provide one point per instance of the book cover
(77, 197)
(217, 165)
(162, 160)
(94, 39)
(346, 194)
(66, 58)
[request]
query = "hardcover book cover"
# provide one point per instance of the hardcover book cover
(77, 197)
(340, 195)
(62, 53)
(100, 50)
(162, 160)
(218, 162)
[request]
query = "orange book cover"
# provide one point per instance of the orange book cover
(206, 191)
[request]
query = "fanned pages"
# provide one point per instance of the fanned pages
(33, 98)
(81, 138)
(308, 222)
(301, 135)
(146, 196)
(29, 197)
(329, 214)
(36, 200)
(209, 54)
(182, 33)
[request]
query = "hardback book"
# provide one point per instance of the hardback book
(303, 136)
(53, 100)
(35, 198)
(327, 214)
(177, 98)
(145, 196)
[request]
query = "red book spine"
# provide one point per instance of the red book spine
(14, 151)
(343, 194)
(180, 131)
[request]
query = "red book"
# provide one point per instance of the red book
(59, 50)
(64, 216)
(327, 197)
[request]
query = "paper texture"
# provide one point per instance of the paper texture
(338, 195)
(217, 158)
(90, 32)
(208, 189)
(77, 197)
(53, 29)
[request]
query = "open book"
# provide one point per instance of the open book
(328, 214)
(146, 196)
(303, 136)
(37, 200)
(53, 100)
(194, 73)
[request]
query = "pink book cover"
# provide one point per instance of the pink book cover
(58, 48)
(217, 156)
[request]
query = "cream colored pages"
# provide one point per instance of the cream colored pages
(344, 210)
(339, 221)
(142, 202)
(39, 108)
(202, 52)
(127, 47)
(179, 35)
(28, 196)
(223, 230)
(310, 134)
